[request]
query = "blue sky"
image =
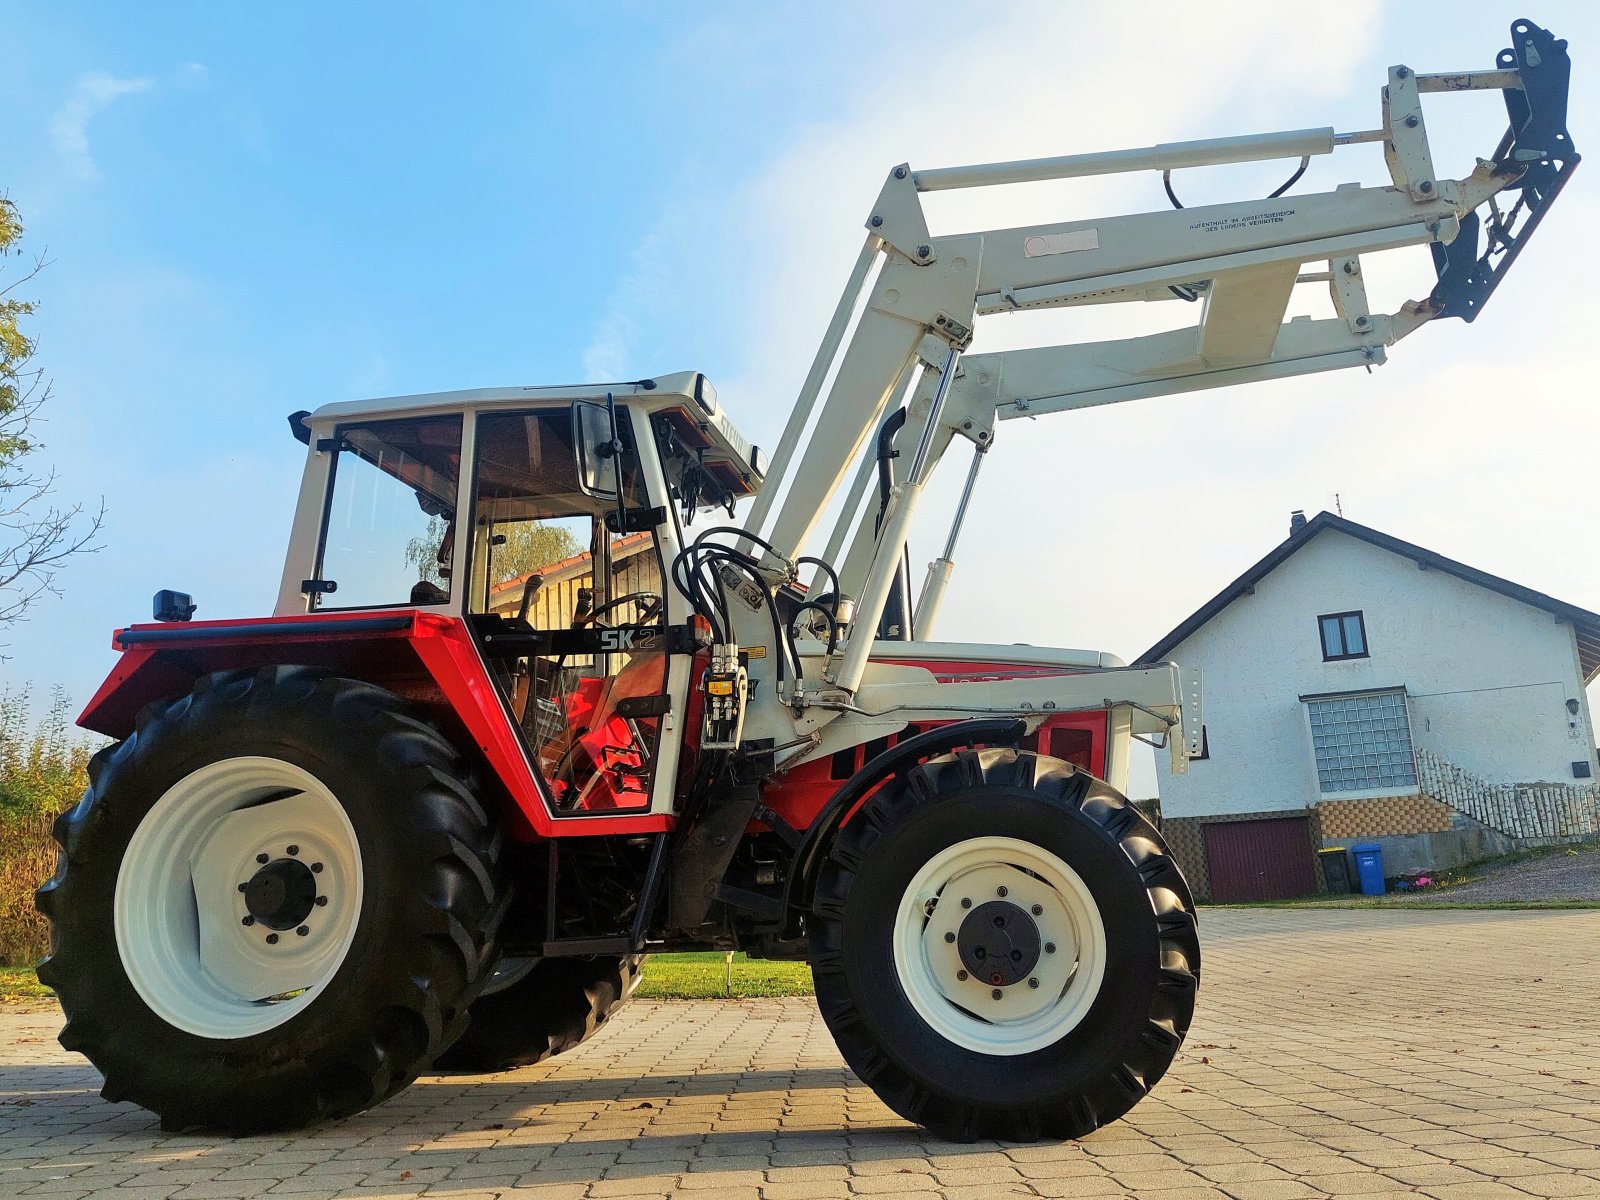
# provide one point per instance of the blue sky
(251, 211)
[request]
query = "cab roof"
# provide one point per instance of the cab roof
(686, 395)
(680, 385)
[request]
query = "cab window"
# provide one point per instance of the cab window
(390, 522)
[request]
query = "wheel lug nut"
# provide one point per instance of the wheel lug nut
(1033, 983)
(293, 850)
(961, 975)
(949, 937)
(1049, 947)
(248, 921)
(997, 993)
(261, 858)
(321, 901)
(1002, 890)
(1038, 910)
(966, 902)
(303, 930)
(272, 939)
(1016, 956)
(316, 868)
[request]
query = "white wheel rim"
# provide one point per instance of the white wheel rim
(188, 939)
(960, 1006)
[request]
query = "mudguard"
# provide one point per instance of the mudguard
(426, 657)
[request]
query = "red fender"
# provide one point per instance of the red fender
(426, 657)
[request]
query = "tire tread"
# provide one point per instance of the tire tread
(1146, 1056)
(435, 793)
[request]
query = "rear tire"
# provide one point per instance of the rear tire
(1050, 1012)
(542, 1010)
(274, 903)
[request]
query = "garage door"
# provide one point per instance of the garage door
(1260, 860)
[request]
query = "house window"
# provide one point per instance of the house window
(1362, 742)
(1344, 635)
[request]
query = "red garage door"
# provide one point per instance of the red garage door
(1260, 860)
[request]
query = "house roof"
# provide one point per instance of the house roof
(1585, 623)
(628, 546)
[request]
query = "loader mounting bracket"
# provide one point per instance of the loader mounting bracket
(1537, 151)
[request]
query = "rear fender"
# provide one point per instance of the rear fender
(426, 657)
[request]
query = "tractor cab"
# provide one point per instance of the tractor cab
(547, 518)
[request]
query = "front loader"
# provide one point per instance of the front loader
(525, 712)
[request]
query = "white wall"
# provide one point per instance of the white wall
(1488, 677)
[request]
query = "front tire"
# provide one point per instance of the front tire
(274, 903)
(1002, 947)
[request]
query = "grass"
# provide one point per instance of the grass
(42, 760)
(20, 983)
(666, 977)
(27, 859)
(705, 977)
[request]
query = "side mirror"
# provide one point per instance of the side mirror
(595, 444)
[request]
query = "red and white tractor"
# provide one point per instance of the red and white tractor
(519, 718)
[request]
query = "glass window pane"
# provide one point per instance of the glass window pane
(391, 519)
(1355, 641)
(1332, 643)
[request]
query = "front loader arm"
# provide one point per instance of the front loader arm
(1238, 263)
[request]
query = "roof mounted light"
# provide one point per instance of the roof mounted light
(705, 395)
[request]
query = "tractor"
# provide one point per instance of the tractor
(552, 683)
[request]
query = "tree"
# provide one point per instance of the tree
(37, 536)
(528, 546)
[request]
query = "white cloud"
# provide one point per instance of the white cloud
(640, 299)
(69, 128)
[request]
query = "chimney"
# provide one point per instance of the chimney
(1297, 521)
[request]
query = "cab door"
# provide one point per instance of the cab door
(571, 614)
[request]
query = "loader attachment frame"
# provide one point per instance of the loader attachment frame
(1471, 267)
(1240, 262)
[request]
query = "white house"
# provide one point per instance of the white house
(1359, 688)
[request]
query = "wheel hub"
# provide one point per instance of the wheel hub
(999, 943)
(281, 894)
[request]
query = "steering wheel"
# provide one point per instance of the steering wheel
(650, 606)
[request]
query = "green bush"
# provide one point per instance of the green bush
(42, 772)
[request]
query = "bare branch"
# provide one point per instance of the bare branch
(40, 262)
(37, 537)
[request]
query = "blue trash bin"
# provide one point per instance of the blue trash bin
(1369, 867)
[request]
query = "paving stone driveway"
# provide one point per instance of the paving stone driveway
(1442, 1054)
